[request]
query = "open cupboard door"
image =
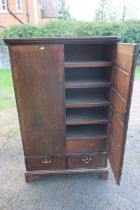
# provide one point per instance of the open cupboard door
(120, 99)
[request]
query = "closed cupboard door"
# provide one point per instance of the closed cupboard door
(38, 76)
(120, 99)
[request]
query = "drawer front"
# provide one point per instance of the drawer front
(86, 146)
(87, 161)
(45, 163)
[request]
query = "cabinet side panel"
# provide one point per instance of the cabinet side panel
(38, 76)
(120, 100)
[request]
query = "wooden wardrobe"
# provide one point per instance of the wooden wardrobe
(73, 99)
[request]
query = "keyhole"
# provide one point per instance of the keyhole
(41, 48)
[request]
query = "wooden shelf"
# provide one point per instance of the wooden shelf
(88, 64)
(86, 84)
(85, 132)
(87, 77)
(86, 97)
(86, 103)
(86, 116)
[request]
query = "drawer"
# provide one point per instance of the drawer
(45, 163)
(87, 161)
(86, 146)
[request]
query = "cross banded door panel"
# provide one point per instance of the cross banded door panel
(38, 75)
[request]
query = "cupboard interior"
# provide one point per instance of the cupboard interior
(86, 95)
(88, 52)
(88, 75)
(86, 132)
(87, 86)
(90, 115)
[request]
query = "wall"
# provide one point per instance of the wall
(7, 19)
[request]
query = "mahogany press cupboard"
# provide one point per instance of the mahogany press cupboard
(73, 99)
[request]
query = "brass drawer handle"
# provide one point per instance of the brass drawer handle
(86, 160)
(46, 161)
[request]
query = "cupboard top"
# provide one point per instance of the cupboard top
(72, 40)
